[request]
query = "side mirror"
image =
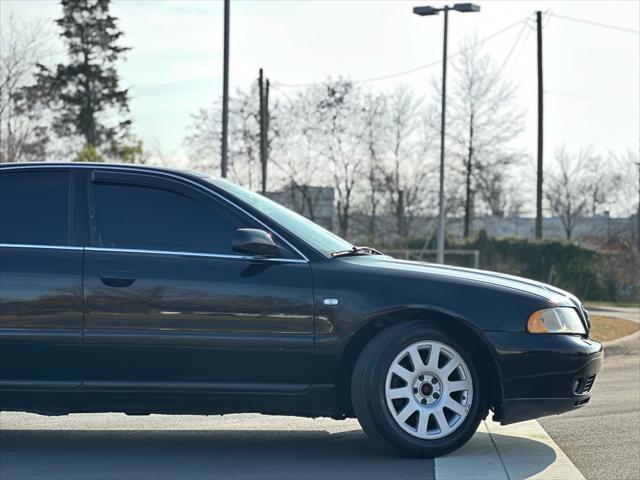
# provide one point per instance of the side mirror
(254, 242)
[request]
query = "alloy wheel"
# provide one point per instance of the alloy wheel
(429, 390)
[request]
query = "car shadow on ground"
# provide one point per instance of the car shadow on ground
(228, 454)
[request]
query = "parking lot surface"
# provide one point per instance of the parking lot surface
(599, 442)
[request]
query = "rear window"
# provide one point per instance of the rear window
(34, 207)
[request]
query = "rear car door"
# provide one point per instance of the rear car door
(169, 305)
(40, 280)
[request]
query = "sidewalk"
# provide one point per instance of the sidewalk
(514, 452)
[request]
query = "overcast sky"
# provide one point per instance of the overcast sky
(175, 65)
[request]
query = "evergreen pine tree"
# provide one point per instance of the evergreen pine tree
(85, 92)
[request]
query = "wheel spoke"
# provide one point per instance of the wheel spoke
(423, 421)
(406, 412)
(415, 359)
(458, 386)
(449, 367)
(441, 420)
(402, 372)
(434, 355)
(402, 392)
(455, 406)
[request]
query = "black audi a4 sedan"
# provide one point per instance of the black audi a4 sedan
(147, 290)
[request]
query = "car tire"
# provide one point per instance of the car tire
(383, 371)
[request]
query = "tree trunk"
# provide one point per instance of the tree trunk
(343, 220)
(468, 204)
(400, 213)
(568, 228)
(372, 217)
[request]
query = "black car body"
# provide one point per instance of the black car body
(120, 291)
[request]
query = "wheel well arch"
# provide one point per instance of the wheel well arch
(449, 323)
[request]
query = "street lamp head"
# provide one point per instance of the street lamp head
(466, 7)
(425, 11)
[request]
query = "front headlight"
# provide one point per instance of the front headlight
(556, 320)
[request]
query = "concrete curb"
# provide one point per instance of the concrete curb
(628, 345)
(520, 451)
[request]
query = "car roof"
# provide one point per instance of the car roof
(132, 166)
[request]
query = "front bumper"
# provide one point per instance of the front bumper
(543, 374)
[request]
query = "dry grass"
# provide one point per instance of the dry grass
(609, 328)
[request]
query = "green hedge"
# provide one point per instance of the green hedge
(587, 273)
(566, 265)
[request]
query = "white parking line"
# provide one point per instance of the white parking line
(520, 451)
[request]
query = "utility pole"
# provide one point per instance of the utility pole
(540, 129)
(263, 88)
(224, 156)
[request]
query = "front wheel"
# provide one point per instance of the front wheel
(417, 389)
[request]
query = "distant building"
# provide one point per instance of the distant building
(598, 226)
(318, 204)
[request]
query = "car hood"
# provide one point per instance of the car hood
(481, 277)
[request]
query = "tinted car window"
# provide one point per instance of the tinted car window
(34, 207)
(148, 218)
(316, 236)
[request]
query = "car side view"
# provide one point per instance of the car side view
(146, 290)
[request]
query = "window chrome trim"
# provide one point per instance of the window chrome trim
(193, 254)
(49, 247)
(151, 170)
(153, 252)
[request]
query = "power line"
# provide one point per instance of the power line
(612, 101)
(523, 44)
(276, 84)
(596, 24)
(513, 48)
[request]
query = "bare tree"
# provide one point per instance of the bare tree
(602, 182)
(202, 140)
(565, 188)
(408, 144)
(333, 123)
(374, 110)
(627, 164)
(24, 125)
(296, 157)
(500, 192)
(484, 123)
(244, 147)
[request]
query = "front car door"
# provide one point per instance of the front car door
(169, 305)
(40, 280)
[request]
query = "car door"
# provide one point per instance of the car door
(40, 280)
(169, 305)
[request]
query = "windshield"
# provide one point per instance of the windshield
(316, 236)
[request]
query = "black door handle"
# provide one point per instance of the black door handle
(118, 279)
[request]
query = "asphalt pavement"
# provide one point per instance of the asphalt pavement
(114, 446)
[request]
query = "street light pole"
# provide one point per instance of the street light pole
(441, 212)
(426, 11)
(224, 154)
